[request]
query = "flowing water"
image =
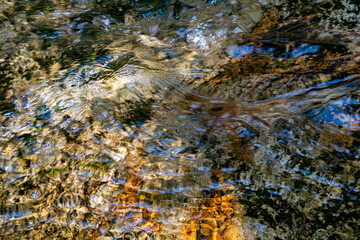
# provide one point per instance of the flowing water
(178, 120)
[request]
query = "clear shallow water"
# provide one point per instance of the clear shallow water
(155, 120)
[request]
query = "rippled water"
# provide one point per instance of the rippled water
(177, 120)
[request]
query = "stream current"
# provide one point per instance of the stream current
(173, 120)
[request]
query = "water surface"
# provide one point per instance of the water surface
(177, 120)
